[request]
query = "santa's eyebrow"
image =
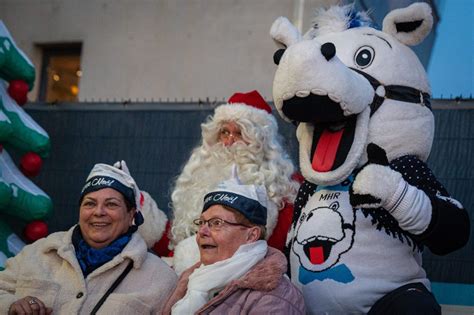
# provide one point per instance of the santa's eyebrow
(380, 38)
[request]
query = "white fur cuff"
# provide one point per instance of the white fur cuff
(411, 207)
(186, 254)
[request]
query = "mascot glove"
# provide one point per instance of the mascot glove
(374, 186)
(377, 185)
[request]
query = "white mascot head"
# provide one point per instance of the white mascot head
(346, 85)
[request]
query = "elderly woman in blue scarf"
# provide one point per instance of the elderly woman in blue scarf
(100, 265)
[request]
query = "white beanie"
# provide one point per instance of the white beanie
(250, 200)
(108, 176)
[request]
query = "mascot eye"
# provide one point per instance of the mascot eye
(277, 56)
(364, 56)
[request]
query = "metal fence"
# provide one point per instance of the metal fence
(156, 139)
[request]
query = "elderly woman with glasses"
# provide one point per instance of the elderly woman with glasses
(100, 265)
(237, 272)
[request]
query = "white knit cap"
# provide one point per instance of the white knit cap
(108, 176)
(250, 200)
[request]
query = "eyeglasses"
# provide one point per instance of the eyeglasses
(225, 134)
(215, 224)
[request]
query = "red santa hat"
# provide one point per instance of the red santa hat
(250, 105)
(252, 98)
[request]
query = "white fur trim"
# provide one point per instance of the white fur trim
(235, 111)
(272, 218)
(411, 207)
(418, 11)
(154, 221)
(186, 254)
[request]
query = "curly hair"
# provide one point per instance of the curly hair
(260, 160)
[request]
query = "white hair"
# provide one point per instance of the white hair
(336, 19)
(261, 160)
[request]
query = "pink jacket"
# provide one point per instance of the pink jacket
(265, 289)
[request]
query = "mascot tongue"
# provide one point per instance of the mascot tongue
(325, 153)
(316, 255)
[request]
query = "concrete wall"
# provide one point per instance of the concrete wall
(156, 48)
(151, 49)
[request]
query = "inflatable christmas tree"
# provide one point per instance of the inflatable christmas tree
(19, 197)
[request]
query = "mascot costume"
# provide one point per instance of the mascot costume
(369, 203)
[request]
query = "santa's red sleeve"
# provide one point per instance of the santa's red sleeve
(285, 218)
(278, 237)
(161, 248)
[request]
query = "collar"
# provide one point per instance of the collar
(266, 274)
(61, 242)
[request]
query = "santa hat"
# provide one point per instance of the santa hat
(250, 105)
(249, 200)
(252, 98)
(108, 176)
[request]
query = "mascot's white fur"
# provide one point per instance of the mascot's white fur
(155, 220)
(369, 202)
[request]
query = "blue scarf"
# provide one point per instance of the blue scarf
(90, 258)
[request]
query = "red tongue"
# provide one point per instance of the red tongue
(316, 255)
(326, 149)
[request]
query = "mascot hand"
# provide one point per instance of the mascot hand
(376, 183)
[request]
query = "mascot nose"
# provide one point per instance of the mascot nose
(328, 50)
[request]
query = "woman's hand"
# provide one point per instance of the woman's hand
(29, 305)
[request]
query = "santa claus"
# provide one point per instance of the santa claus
(244, 133)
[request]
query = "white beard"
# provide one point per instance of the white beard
(214, 166)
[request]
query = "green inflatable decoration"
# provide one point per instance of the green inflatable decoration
(6, 127)
(24, 200)
(26, 134)
(13, 62)
(10, 244)
(19, 197)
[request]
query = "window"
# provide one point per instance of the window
(60, 72)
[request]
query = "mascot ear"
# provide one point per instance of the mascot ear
(284, 33)
(409, 25)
